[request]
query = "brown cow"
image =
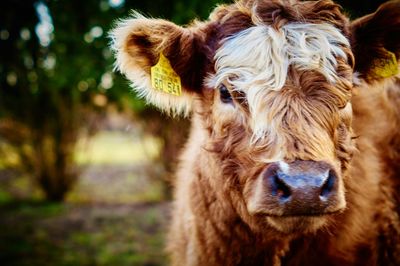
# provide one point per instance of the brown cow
(294, 152)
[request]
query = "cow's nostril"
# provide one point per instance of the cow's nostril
(280, 189)
(328, 186)
(300, 188)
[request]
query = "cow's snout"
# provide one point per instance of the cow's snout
(302, 188)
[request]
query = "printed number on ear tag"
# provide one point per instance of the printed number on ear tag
(164, 78)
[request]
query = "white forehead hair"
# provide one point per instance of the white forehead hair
(256, 60)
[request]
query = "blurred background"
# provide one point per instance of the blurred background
(85, 166)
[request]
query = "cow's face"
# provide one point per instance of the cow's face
(270, 82)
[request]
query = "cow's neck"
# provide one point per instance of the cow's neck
(218, 225)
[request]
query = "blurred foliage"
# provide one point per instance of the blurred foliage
(358, 8)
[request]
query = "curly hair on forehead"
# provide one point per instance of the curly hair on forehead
(231, 19)
(279, 12)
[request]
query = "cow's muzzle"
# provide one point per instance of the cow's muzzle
(302, 188)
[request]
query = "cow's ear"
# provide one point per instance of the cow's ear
(376, 43)
(165, 62)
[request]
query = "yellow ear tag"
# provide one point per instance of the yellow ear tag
(385, 66)
(164, 78)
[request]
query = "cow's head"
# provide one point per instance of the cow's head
(269, 84)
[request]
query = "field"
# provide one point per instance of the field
(115, 215)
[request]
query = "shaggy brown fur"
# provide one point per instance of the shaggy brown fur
(351, 125)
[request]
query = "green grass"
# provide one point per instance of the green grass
(5, 196)
(35, 233)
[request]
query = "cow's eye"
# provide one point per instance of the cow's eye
(224, 94)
